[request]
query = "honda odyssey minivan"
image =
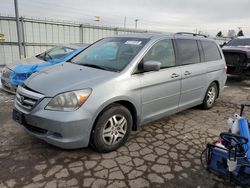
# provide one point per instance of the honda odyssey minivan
(117, 84)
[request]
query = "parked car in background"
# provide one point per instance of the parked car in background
(237, 55)
(15, 74)
(117, 84)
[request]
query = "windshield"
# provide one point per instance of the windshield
(239, 42)
(54, 53)
(112, 54)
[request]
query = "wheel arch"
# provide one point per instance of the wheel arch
(218, 86)
(124, 102)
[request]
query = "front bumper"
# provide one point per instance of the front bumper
(7, 86)
(66, 130)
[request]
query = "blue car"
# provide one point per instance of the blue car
(15, 74)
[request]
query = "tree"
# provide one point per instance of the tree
(219, 34)
(240, 33)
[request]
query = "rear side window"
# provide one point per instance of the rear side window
(211, 51)
(188, 52)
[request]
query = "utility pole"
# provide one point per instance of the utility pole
(125, 20)
(21, 54)
(136, 20)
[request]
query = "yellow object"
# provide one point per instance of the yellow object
(2, 37)
(23, 57)
(97, 18)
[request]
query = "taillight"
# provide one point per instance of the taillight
(225, 68)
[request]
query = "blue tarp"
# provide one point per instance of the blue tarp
(244, 131)
(22, 71)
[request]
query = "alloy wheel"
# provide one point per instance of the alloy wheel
(114, 130)
(211, 96)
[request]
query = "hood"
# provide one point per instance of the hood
(236, 48)
(66, 77)
(30, 61)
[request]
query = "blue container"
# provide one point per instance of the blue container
(217, 162)
(244, 131)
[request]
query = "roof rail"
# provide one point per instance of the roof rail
(193, 34)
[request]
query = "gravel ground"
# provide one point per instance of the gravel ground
(164, 153)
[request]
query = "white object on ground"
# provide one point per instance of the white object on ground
(231, 165)
(230, 123)
(235, 127)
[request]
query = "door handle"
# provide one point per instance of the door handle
(174, 75)
(186, 73)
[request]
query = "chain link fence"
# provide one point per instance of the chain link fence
(39, 35)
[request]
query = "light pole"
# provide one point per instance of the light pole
(21, 54)
(136, 20)
(124, 23)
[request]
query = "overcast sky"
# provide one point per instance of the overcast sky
(209, 16)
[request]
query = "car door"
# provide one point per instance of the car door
(193, 73)
(160, 90)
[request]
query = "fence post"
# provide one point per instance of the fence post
(81, 33)
(19, 37)
(116, 31)
(23, 35)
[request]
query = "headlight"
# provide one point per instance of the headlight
(6, 72)
(69, 101)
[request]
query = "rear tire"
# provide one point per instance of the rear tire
(112, 129)
(211, 96)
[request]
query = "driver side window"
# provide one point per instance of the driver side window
(163, 52)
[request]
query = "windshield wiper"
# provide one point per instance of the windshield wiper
(40, 57)
(94, 66)
(71, 61)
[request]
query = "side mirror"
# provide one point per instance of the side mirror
(151, 66)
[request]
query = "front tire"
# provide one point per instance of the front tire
(211, 96)
(112, 129)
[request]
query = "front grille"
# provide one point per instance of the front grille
(27, 99)
(26, 102)
(235, 59)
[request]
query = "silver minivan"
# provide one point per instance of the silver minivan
(117, 84)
